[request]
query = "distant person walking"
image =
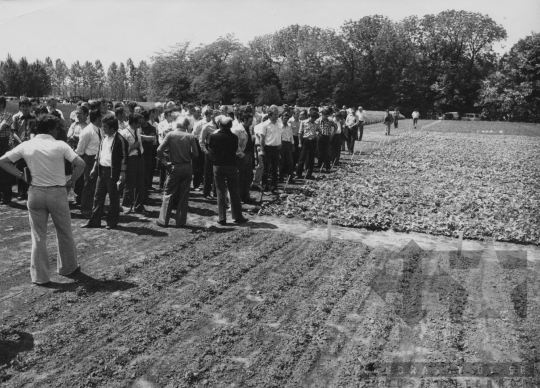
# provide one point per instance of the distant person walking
(223, 146)
(351, 130)
(395, 114)
(387, 121)
(23, 129)
(415, 117)
(48, 194)
(182, 150)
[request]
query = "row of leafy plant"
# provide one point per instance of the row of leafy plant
(436, 183)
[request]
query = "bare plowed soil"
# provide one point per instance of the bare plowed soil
(245, 308)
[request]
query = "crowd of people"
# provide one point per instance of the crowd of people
(116, 149)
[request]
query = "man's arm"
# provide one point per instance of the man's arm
(78, 168)
(194, 150)
(202, 142)
(8, 166)
(162, 148)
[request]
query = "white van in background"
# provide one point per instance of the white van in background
(471, 117)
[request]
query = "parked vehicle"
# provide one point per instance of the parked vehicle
(452, 116)
(471, 117)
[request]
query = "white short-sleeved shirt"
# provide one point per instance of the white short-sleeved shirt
(197, 128)
(89, 140)
(272, 133)
(45, 157)
(415, 114)
(361, 115)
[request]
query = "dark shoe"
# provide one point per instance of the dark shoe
(42, 284)
(88, 226)
(109, 227)
(23, 197)
(309, 177)
(292, 181)
(128, 211)
(74, 273)
(248, 200)
(161, 224)
(222, 223)
(140, 210)
(255, 188)
(241, 220)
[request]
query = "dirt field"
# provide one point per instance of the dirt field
(271, 304)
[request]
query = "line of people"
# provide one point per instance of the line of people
(123, 145)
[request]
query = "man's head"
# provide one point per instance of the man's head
(167, 114)
(120, 114)
(131, 106)
(103, 105)
(182, 124)
(325, 113)
(208, 114)
(225, 123)
(153, 114)
(25, 106)
(95, 117)
(42, 110)
(197, 113)
(285, 118)
(137, 109)
(360, 108)
(35, 103)
(224, 109)
(303, 114)
(82, 113)
(110, 105)
(47, 125)
(119, 104)
(52, 103)
(109, 124)
(135, 120)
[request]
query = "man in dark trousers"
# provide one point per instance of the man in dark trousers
(182, 150)
(110, 168)
(223, 145)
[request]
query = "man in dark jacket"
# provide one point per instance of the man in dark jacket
(110, 168)
(223, 145)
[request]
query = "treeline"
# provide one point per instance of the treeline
(441, 63)
(88, 80)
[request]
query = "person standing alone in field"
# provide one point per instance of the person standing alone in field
(182, 150)
(48, 194)
(415, 117)
(395, 114)
(351, 130)
(387, 121)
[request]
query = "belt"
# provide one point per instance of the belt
(102, 166)
(179, 164)
(48, 187)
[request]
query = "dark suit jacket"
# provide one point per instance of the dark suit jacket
(119, 154)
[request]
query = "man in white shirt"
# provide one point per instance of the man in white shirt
(415, 117)
(77, 127)
(110, 170)
(87, 149)
(286, 166)
(270, 146)
(241, 133)
(259, 169)
(121, 117)
(361, 119)
(351, 130)
(45, 157)
(164, 127)
(134, 190)
(198, 162)
(208, 130)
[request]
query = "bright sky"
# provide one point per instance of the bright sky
(115, 30)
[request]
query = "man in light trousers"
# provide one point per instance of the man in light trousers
(47, 195)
